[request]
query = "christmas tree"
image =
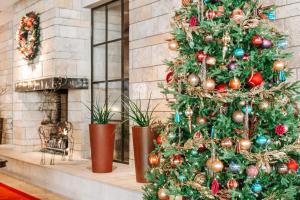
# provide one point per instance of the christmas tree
(234, 133)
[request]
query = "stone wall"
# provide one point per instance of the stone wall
(65, 51)
(149, 29)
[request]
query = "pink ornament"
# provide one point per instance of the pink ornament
(215, 186)
(252, 171)
(280, 129)
(193, 21)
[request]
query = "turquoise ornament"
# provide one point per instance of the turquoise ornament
(282, 44)
(282, 76)
(271, 16)
(177, 117)
(256, 187)
(194, 152)
(239, 52)
(182, 178)
(247, 108)
(261, 140)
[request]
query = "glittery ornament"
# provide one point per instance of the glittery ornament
(235, 84)
(231, 66)
(266, 43)
(193, 80)
(293, 165)
(282, 44)
(234, 167)
(257, 40)
(215, 186)
(209, 84)
(193, 21)
(200, 178)
(261, 140)
(163, 194)
(245, 144)
(200, 55)
(239, 52)
(226, 143)
(281, 129)
(211, 61)
(264, 105)
(232, 184)
(201, 120)
(238, 116)
(221, 87)
(282, 168)
(154, 159)
(252, 171)
(278, 65)
(256, 187)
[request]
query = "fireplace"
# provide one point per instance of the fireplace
(55, 132)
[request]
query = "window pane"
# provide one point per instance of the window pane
(114, 60)
(99, 63)
(114, 97)
(99, 25)
(114, 21)
(99, 94)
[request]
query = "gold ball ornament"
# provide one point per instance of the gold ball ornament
(216, 166)
(163, 194)
(264, 105)
(211, 61)
(201, 120)
(278, 65)
(209, 84)
(154, 160)
(238, 116)
(173, 45)
(226, 143)
(193, 80)
(245, 144)
(186, 3)
(232, 184)
(235, 84)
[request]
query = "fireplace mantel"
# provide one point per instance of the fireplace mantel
(54, 83)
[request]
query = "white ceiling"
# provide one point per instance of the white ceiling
(6, 3)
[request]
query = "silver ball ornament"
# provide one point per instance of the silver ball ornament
(238, 116)
(193, 80)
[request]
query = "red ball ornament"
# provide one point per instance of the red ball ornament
(293, 165)
(169, 77)
(255, 79)
(280, 129)
(257, 40)
(221, 87)
(200, 55)
(159, 140)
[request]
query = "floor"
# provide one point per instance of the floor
(29, 189)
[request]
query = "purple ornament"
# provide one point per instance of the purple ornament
(231, 66)
(266, 43)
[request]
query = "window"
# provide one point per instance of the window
(110, 60)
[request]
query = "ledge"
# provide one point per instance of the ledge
(72, 179)
(54, 83)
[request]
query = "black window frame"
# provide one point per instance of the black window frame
(124, 38)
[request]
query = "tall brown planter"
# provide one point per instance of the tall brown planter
(143, 146)
(102, 140)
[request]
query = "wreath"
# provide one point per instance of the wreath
(28, 35)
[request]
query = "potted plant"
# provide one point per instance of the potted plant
(142, 136)
(102, 138)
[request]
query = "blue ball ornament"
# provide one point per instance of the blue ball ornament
(239, 52)
(261, 140)
(234, 167)
(256, 187)
(271, 16)
(244, 109)
(282, 44)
